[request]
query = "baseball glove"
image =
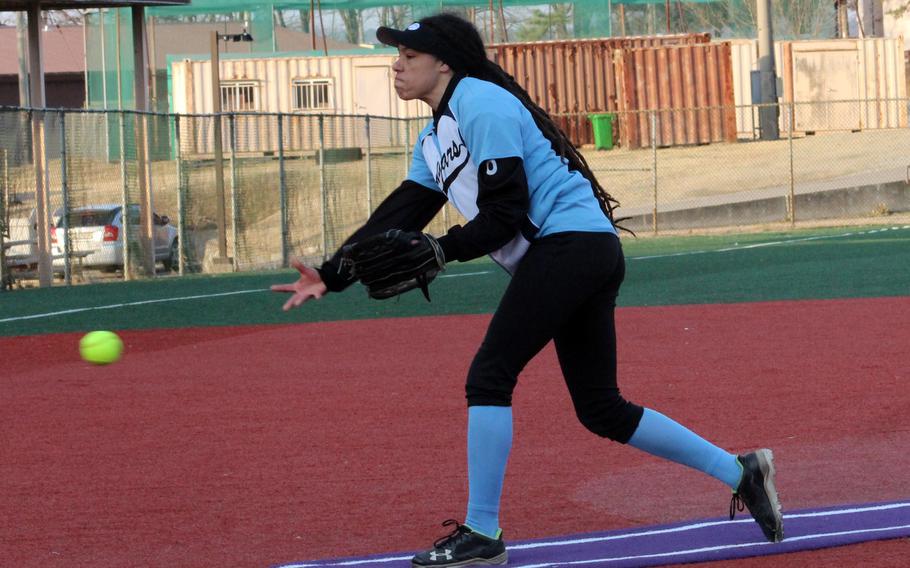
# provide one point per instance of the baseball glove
(395, 261)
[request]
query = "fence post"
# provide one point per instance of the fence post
(4, 223)
(369, 167)
(234, 207)
(654, 167)
(146, 200)
(282, 193)
(407, 146)
(181, 201)
(791, 198)
(5, 187)
(125, 203)
(64, 194)
(322, 189)
(42, 197)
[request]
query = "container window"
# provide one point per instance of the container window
(238, 96)
(312, 94)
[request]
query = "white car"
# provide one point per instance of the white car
(98, 230)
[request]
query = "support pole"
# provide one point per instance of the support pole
(221, 216)
(369, 164)
(322, 189)
(22, 48)
(769, 112)
(235, 206)
(125, 218)
(407, 146)
(622, 20)
(4, 222)
(791, 198)
(283, 195)
(64, 189)
(143, 176)
(654, 167)
(181, 199)
(37, 100)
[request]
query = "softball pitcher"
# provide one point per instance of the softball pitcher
(534, 206)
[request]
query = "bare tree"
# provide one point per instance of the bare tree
(65, 17)
(550, 24)
(304, 20)
(52, 17)
(353, 25)
(732, 18)
(393, 16)
(803, 18)
(901, 9)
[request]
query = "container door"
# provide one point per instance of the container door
(823, 83)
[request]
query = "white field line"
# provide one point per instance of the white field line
(464, 274)
(686, 552)
(771, 243)
(651, 257)
(125, 304)
(694, 526)
(177, 299)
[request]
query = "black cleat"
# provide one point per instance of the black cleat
(757, 492)
(462, 547)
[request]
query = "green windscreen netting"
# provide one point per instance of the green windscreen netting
(352, 24)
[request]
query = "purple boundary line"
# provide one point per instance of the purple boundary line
(814, 528)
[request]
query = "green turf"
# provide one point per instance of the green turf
(825, 263)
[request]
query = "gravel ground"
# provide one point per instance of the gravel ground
(753, 169)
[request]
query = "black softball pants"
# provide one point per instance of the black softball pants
(564, 289)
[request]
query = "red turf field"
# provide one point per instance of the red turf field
(271, 444)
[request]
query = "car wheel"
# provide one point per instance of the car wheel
(172, 262)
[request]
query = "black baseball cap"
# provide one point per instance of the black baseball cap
(423, 36)
(416, 36)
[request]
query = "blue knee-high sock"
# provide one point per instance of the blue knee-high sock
(662, 437)
(489, 443)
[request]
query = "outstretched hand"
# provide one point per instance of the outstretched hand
(308, 287)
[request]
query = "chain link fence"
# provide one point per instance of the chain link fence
(279, 186)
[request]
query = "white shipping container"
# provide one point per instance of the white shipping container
(337, 86)
(869, 73)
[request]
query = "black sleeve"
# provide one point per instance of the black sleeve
(503, 203)
(410, 207)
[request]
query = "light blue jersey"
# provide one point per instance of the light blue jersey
(483, 121)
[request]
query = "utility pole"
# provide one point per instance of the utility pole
(769, 112)
(22, 43)
(37, 101)
(140, 103)
(841, 21)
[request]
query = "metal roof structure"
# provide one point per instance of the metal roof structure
(23, 5)
(33, 8)
(36, 99)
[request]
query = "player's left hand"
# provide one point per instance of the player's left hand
(308, 287)
(395, 261)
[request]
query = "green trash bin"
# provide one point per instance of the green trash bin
(603, 130)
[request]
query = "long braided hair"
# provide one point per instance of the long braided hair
(469, 56)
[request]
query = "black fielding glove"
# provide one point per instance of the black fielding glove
(395, 261)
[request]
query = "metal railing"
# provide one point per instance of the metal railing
(298, 184)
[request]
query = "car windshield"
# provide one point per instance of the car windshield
(90, 218)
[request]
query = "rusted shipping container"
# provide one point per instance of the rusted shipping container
(572, 78)
(690, 87)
